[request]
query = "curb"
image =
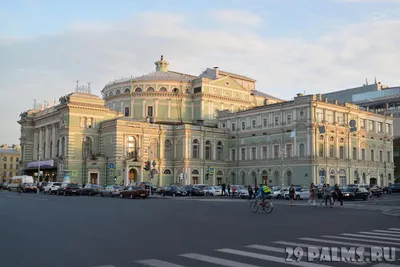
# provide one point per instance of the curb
(390, 213)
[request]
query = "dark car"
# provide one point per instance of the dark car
(172, 191)
(69, 189)
(193, 190)
(133, 192)
(396, 188)
(91, 189)
(29, 187)
(354, 193)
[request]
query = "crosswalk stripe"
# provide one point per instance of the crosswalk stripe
(359, 239)
(217, 261)
(394, 229)
(336, 242)
(270, 258)
(295, 244)
(385, 265)
(158, 263)
(267, 248)
(373, 237)
(380, 234)
(384, 231)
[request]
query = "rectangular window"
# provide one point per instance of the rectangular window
(264, 152)
(380, 127)
(289, 119)
(321, 150)
(371, 126)
(233, 127)
(5, 166)
(389, 159)
(363, 154)
(253, 124)
(243, 154)
(362, 123)
(265, 122)
(341, 152)
(372, 155)
(11, 165)
(339, 118)
(276, 121)
(233, 154)
(354, 153)
(381, 156)
(289, 150)
(320, 116)
(253, 153)
(331, 152)
(243, 125)
(150, 111)
(387, 128)
(276, 151)
(126, 113)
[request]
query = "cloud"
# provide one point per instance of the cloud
(46, 67)
(240, 17)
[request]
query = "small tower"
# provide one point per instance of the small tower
(162, 65)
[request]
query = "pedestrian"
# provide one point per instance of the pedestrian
(328, 196)
(223, 187)
(250, 188)
(291, 194)
(234, 190)
(339, 194)
(229, 189)
(313, 195)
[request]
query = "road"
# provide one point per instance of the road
(47, 231)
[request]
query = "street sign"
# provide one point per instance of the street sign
(111, 172)
(111, 165)
(211, 171)
(74, 173)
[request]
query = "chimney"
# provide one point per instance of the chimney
(336, 102)
(326, 100)
(216, 72)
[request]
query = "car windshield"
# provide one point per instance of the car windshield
(217, 187)
(349, 189)
(276, 188)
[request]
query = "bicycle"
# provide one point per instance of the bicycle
(266, 205)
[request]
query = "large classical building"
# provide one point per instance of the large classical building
(211, 128)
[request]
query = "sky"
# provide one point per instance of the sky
(288, 46)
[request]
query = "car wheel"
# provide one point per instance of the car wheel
(144, 197)
(121, 195)
(58, 193)
(162, 194)
(190, 194)
(65, 193)
(44, 192)
(211, 194)
(278, 197)
(131, 196)
(101, 194)
(297, 197)
(173, 194)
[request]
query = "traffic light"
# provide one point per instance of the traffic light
(207, 176)
(147, 165)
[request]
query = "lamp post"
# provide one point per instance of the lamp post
(39, 154)
(283, 156)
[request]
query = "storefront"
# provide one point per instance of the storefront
(47, 169)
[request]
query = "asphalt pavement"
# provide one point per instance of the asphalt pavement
(70, 231)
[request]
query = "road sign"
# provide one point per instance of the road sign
(111, 172)
(111, 165)
(211, 170)
(74, 173)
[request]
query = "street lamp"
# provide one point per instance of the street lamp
(283, 156)
(39, 154)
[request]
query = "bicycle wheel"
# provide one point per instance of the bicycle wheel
(254, 206)
(268, 207)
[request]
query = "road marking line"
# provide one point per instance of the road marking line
(270, 258)
(295, 244)
(218, 261)
(338, 243)
(373, 237)
(359, 239)
(267, 248)
(383, 231)
(385, 265)
(380, 234)
(394, 229)
(158, 263)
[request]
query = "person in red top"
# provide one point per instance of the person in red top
(234, 191)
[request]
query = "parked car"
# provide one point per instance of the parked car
(193, 191)
(396, 188)
(212, 190)
(300, 193)
(147, 186)
(5, 185)
(278, 192)
(111, 191)
(51, 188)
(172, 191)
(91, 189)
(69, 189)
(133, 192)
(354, 193)
(30, 187)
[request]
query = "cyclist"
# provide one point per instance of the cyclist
(263, 192)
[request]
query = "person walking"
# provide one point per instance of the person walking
(339, 194)
(250, 188)
(313, 195)
(223, 187)
(229, 189)
(328, 196)
(291, 194)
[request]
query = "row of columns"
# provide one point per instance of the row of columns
(45, 140)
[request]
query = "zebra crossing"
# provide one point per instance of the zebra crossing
(275, 254)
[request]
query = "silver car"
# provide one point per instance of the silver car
(111, 191)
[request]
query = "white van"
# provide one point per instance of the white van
(16, 180)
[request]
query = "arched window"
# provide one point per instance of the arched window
(86, 147)
(289, 177)
(389, 176)
(167, 171)
(154, 148)
(179, 149)
(364, 178)
(168, 149)
(208, 150)
(131, 146)
(342, 177)
(150, 89)
(196, 172)
(322, 176)
(118, 92)
(321, 138)
(163, 89)
(220, 150)
(127, 90)
(341, 140)
(138, 89)
(175, 90)
(195, 149)
(302, 150)
(220, 173)
(332, 139)
(276, 178)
